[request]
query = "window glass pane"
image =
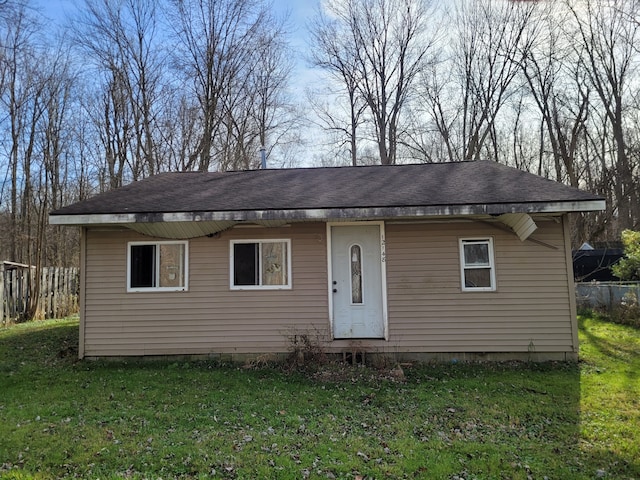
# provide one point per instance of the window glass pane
(476, 254)
(143, 266)
(274, 263)
(245, 271)
(477, 278)
(172, 265)
(356, 274)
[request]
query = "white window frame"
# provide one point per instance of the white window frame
(492, 265)
(157, 244)
(232, 243)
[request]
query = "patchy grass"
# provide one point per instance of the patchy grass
(62, 418)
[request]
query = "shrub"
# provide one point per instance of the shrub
(625, 313)
(628, 312)
(628, 267)
(306, 348)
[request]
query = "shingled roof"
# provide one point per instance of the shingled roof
(191, 204)
(487, 186)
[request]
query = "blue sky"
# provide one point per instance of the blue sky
(299, 11)
(302, 77)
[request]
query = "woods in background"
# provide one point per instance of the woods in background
(129, 88)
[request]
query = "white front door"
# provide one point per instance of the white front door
(357, 283)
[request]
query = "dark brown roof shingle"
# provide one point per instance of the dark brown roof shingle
(437, 184)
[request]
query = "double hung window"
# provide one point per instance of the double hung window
(157, 266)
(477, 265)
(260, 264)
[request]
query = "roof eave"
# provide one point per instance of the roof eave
(330, 213)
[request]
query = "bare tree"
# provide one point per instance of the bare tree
(34, 88)
(558, 92)
(256, 111)
(274, 115)
(333, 51)
(119, 38)
(58, 176)
(215, 42)
(490, 45)
(434, 138)
(606, 47)
(376, 48)
(339, 120)
(109, 111)
(22, 86)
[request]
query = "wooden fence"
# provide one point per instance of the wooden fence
(57, 296)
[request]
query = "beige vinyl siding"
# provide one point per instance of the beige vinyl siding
(428, 311)
(209, 317)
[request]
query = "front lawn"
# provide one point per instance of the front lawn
(64, 418)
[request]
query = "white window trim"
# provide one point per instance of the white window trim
(492, 265)
(289, 284)
(183, 288)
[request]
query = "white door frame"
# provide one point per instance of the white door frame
(383, 270)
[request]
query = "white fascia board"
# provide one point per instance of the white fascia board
(325, 214)
(92, 219)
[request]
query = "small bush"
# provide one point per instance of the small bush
(306, 349)
(628, 312)
(628, 268)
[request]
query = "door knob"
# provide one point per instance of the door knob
(335, 290)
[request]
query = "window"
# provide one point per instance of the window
(356, 274)
(157, 266)
(260, 264)
(476, 264)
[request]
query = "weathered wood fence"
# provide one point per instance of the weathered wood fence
(57, 295)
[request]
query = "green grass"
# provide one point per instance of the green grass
(60, 418)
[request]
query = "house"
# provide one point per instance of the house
(467, 260)
(594, 264)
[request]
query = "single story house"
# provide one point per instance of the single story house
(467, 260)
